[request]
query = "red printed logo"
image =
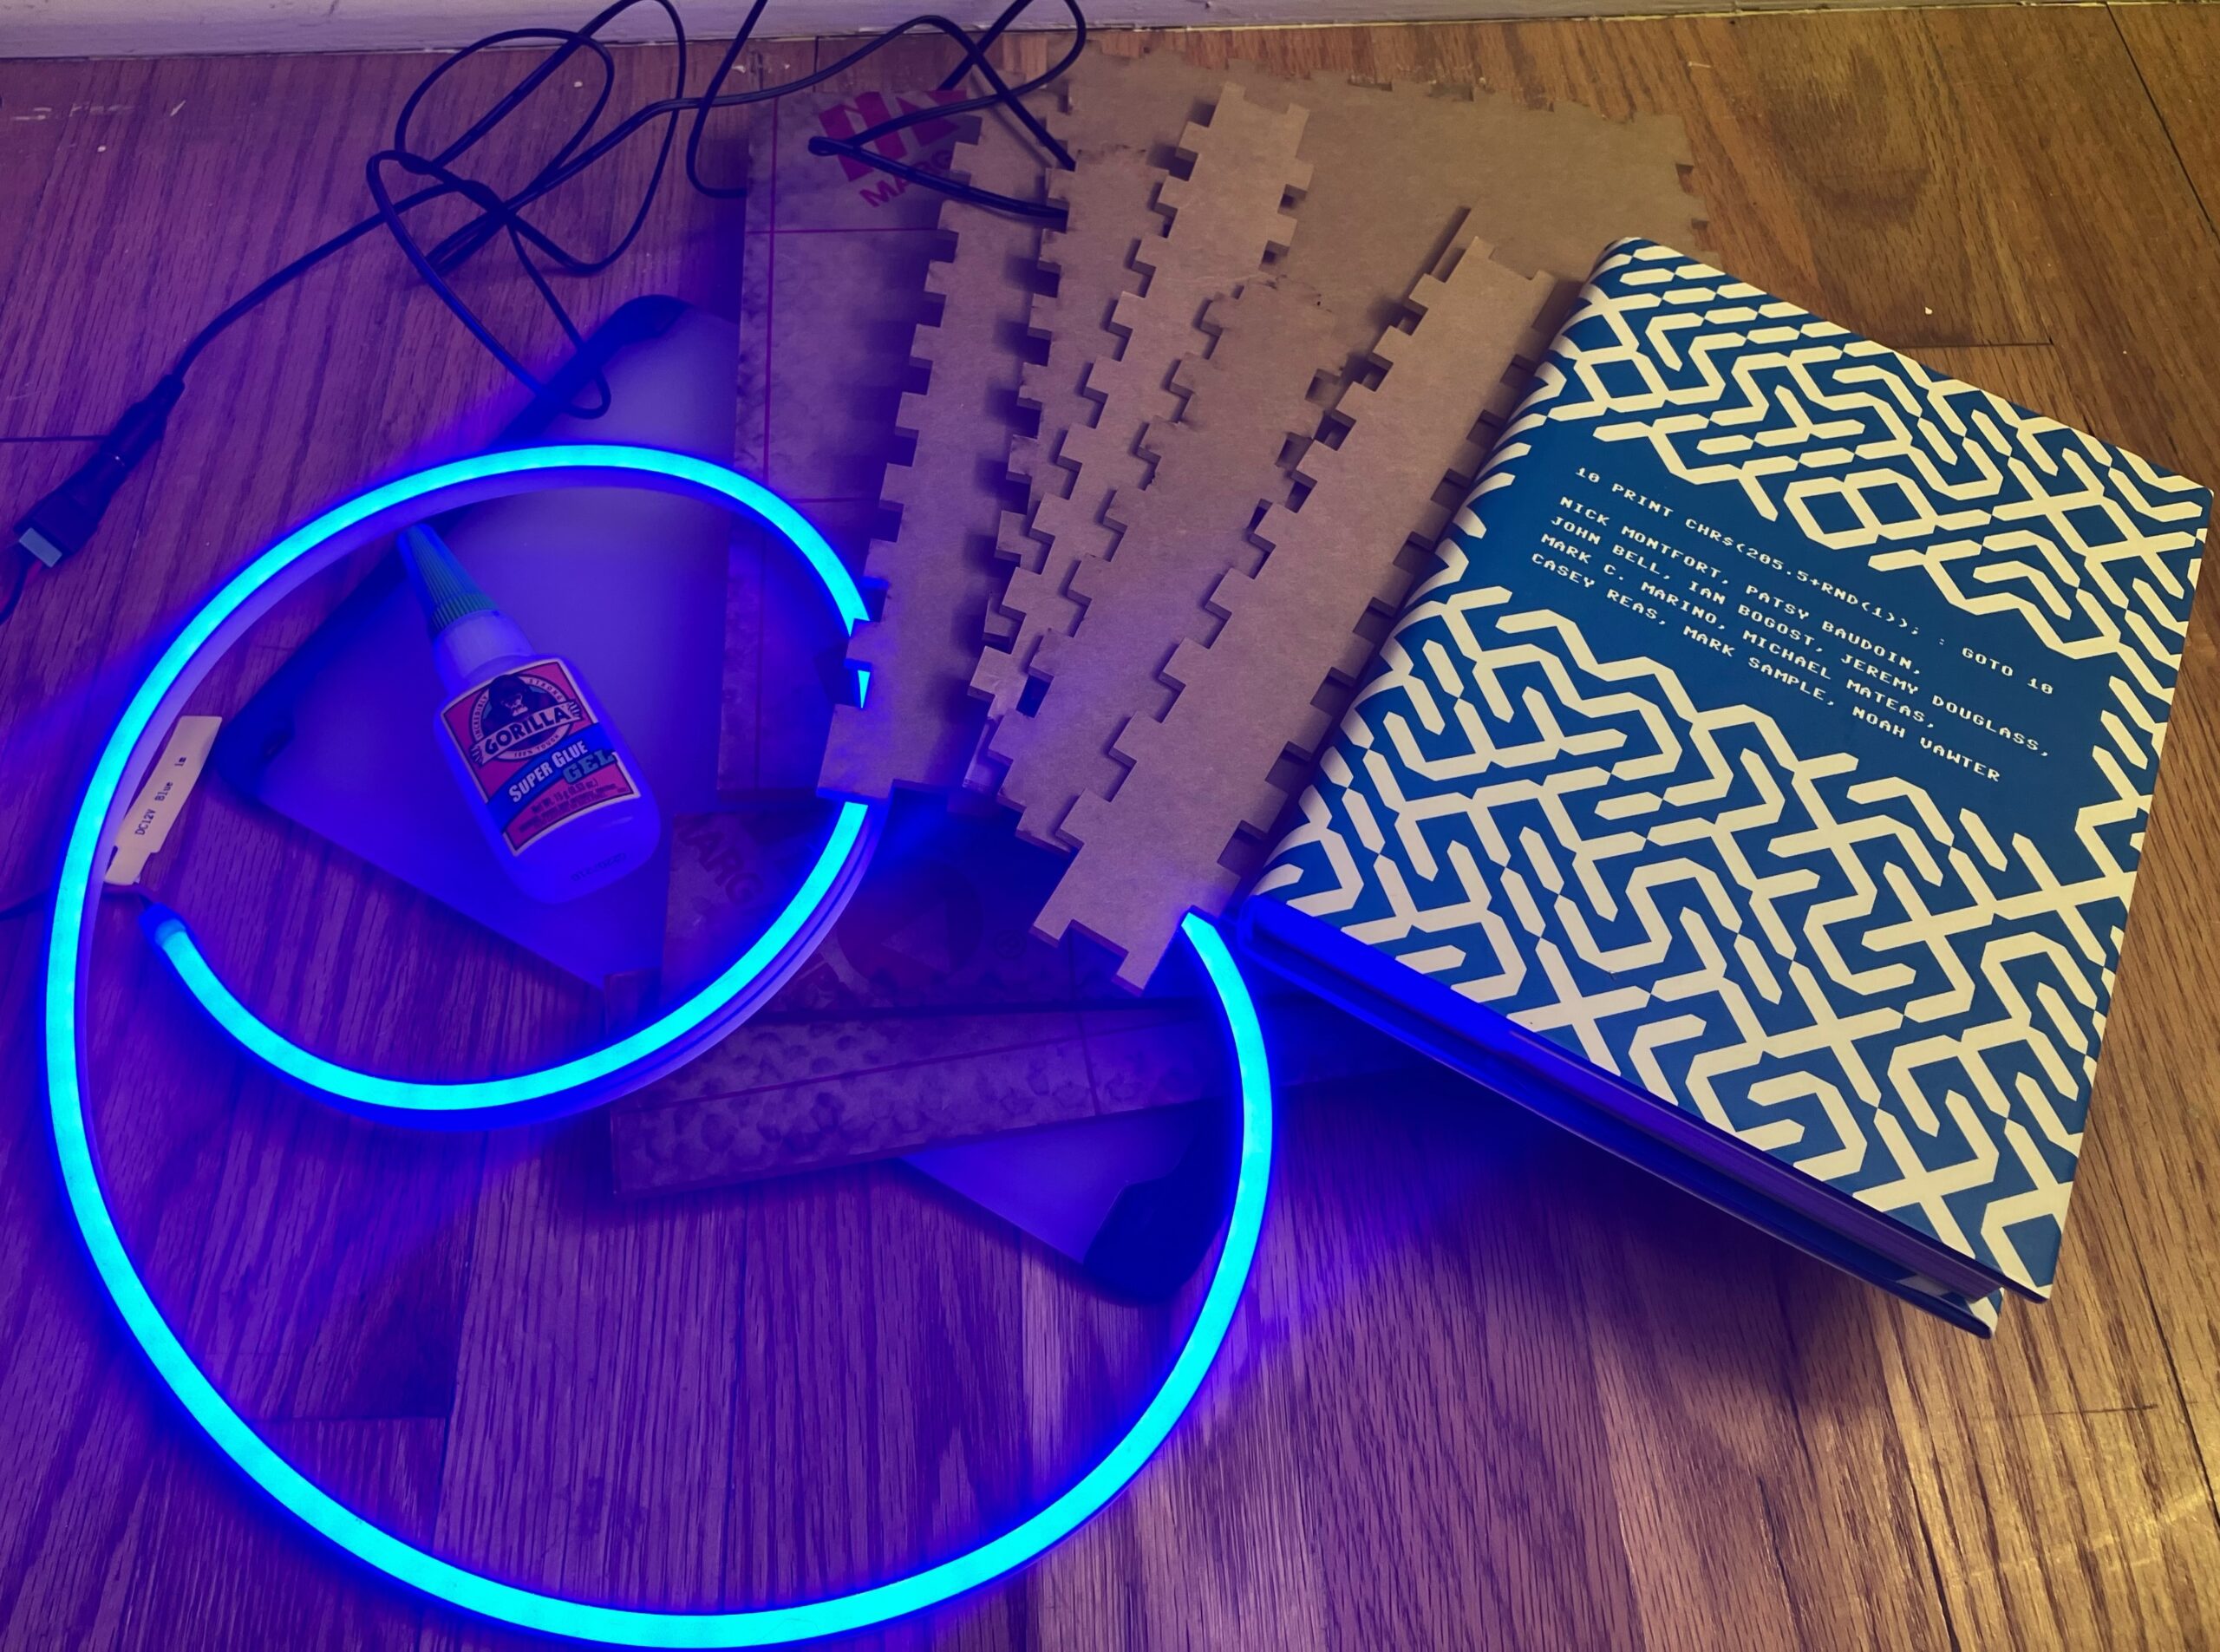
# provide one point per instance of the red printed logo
(929, 145)
(538, 756)
(513, 719)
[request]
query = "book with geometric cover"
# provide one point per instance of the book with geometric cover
(1757, 784)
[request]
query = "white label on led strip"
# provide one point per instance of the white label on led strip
(161, 800)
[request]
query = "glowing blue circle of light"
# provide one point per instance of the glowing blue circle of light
(123, 762)
(582, 1079)
(666, 1042)
(622, 1626)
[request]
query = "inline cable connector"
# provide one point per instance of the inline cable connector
(59, 526)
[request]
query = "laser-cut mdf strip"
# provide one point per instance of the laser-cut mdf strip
(1085, 270)
(1178, 536)
(1204, 773)
(1397, 167)
(1226, 216)
(919, 724)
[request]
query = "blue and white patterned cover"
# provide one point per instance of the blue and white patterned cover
(1776, 733)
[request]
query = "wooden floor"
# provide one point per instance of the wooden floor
(1489, 1387)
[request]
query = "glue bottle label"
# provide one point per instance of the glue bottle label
(539, 754)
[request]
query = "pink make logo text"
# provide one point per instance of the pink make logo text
(929, 145)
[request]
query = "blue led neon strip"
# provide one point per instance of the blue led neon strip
(121, 762)
(637, 1056)
(581, 1076)
(618, 1626)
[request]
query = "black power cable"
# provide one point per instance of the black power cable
(61, 523)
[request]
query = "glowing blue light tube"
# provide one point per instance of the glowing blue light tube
(580, 1074)
(621, 1626)
(122, 763)
(630, 1060)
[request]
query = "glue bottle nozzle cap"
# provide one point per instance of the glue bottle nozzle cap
(446, 592)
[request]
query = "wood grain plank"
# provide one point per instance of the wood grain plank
(114, 257)
(418, 25)
(2053, 1527)
(1211, 1547)
(1490, 1387)
(2176, 51)
(1757, 1474)
(220, 1566)
(42, 115)
(1912, 244)
(55, 660)
(589, 1445)
(1457, 1472)
(88, 1424)
(914, 1449)
(2154, 1127)
(2126, 264)
(2104, 228)
(337, 1249)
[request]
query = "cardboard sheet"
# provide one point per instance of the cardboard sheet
(833, 270)
(1396, 167)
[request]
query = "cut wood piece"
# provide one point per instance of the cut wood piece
(928, 1015)
(832, 284)
(1120, 124)
(782, 1096)
(1551, 185)
(1177, 538)
(1226, 216)
(1204, 773)
(785, 655)
(918, 725)
(1398, 168)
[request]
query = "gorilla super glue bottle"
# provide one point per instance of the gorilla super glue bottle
(557, 794)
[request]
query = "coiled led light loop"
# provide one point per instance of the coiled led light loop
(625, 1063)
(122, 763)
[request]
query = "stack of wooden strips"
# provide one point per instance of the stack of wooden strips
(1176, 462)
